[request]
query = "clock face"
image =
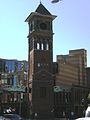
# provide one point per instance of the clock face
(43, 26)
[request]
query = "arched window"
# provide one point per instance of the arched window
(42, 46)
(47, 47)
(38, 46)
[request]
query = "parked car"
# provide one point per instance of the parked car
(86, 118)
(87, 114)
(12, 117)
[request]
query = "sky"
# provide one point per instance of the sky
(71, 27)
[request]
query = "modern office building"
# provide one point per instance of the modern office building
(16, 65)
(13, 72)
(13, 79)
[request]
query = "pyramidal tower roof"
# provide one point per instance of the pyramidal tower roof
(42, 10)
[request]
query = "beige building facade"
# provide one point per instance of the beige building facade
(67, 73)
(72, 68)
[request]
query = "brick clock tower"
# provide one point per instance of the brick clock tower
(40, 59)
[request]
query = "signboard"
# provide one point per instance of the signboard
(57, 89)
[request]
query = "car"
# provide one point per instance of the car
(12, 116)
(85, 118)
(87, 114)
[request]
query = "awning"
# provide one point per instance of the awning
(13, 89)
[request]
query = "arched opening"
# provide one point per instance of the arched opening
(38, 46)
(47, 46)
(42, 46)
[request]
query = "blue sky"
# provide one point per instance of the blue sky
(71, 27)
